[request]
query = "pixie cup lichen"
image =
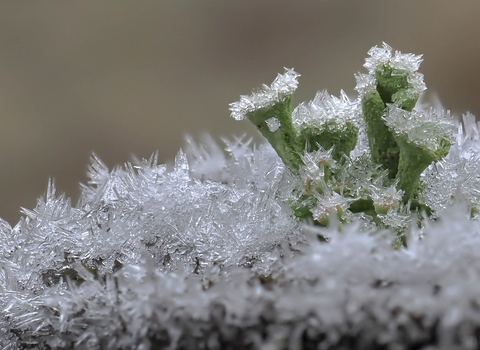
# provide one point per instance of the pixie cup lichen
(327, 142)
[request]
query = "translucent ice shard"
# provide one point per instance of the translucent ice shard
(426, 130)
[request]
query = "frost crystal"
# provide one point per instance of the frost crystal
(57, 257)
(458, 174)
(423, 129)
(273, 124)
(385, 198)
(329, 204)
(313, 170)
(382, 57)
(325, 110)
(366, 83)
(283, 85)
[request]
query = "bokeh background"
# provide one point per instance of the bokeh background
(122, 78)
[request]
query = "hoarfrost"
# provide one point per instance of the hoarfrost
(273, 124)
(326, 109)
(192, 256)
(170, 216)
(366, 83)
(425, 129)
(380, 57)
(458, 173)
(284, 85)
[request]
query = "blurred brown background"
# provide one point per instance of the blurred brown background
(130, 77)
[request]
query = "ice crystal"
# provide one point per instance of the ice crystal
(326, 109)
(366, 83)
(175, 219)
(400, 69)
(314, 166)
(306, 244)
(425, 129)
(284, 85)
(329, 204)
(458, 173)
(385, 198)
(273, 124)
(380, 57)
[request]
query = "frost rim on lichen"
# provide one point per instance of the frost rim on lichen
(283, 85)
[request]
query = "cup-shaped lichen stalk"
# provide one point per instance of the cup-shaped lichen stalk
(328, 122)
(325, 125)
(392, 78)
(423, 138)
(270, 111)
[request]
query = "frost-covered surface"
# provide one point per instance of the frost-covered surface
(284, 85)
(381, 56)
(205, 253)
(176, 221)
(192, 252)
(327, 109)
(360, 158)
(421, 128)
(459, 171)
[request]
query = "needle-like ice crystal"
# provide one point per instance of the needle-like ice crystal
(284, 85)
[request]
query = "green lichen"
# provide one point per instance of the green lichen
(285, 139)
(383, 147)
(413, 161)
(399, 151)
(328, 137)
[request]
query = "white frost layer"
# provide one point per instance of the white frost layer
(155, 253)
(284, 85)
(326, 109)
(384, 56)
(179, 220)
(425, 129)
(457, 174)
